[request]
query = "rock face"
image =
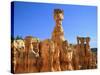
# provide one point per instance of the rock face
(66, 57)
(55, 54)
(58, 37)
(17, 48)
(46, 54)
(25, 54)
(58, 33)
(31, 55)
(85, 53)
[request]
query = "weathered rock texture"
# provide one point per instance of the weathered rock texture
(55, 54)
(58, 38)
(85, 54)
(46, 54)
(31, 54)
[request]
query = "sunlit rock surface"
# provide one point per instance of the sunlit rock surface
(55, 54)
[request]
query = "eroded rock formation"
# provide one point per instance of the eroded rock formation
(58, 37)
(55, 54)
(46, 54)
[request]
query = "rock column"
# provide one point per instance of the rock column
(58, 37)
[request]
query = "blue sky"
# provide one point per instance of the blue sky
(36, 19)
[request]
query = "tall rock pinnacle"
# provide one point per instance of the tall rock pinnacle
(58, 33)
(57, 38)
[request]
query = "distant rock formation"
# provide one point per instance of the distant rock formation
(55, 54)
